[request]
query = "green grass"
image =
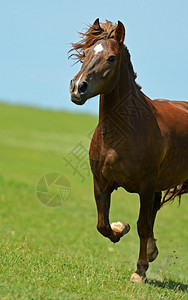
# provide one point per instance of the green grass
(57, 253)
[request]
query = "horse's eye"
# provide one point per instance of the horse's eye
(111, 58)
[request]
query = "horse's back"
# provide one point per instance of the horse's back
(176, 104)
(172, 120)
(180, 104)
(172, 114)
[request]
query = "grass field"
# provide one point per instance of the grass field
(56, 252)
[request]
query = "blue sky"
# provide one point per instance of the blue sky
(36, 35)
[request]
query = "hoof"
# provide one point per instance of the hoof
(120, 228)
(152, 250)
(135, 278)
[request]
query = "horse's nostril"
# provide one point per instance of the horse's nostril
(82, 87)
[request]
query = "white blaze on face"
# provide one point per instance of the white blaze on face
(77, 83)
(98, 48)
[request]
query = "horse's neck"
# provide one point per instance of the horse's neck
(126, 102)
(124, 94)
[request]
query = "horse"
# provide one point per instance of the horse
(139, 144)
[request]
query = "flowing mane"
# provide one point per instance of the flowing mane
(94, 34)
(90, 37)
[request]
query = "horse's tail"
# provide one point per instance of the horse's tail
(177, 191)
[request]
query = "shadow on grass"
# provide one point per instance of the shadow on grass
(170, 284)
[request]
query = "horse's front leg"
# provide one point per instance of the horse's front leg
(145, 232)
(102, 197)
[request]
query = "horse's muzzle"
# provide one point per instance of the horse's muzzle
(77, 101)
(79, 92)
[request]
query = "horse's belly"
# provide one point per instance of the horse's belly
(172, 175)
(168, 181)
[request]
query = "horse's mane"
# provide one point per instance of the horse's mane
(90, 37)
(93, 35)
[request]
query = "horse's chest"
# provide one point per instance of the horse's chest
(112, 156)
(111, 166)
(115, 168)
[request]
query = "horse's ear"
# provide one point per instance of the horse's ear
(120, 32)
(96, 25)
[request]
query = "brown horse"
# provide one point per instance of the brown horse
(139, 144)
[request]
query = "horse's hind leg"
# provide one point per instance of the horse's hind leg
(145, 231)
(152, 250)
(102, 197)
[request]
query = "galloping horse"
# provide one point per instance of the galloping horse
(139, 144)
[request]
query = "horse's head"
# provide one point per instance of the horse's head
(100, 52)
